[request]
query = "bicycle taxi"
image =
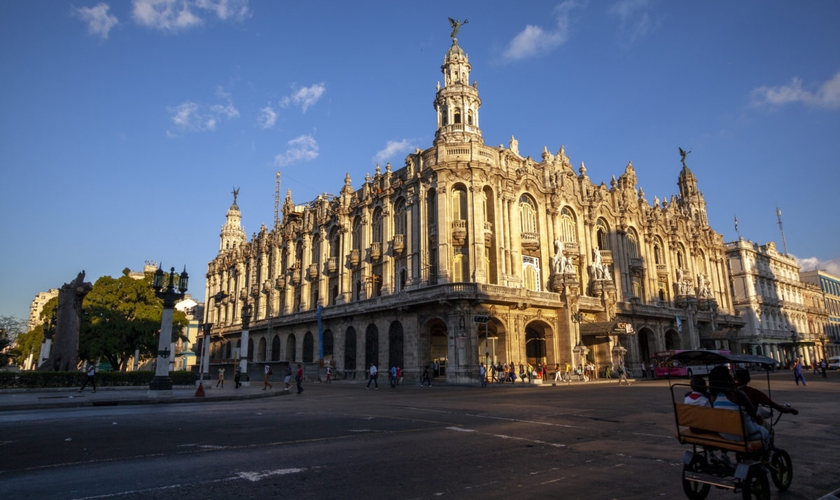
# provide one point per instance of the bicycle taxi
(709, 462)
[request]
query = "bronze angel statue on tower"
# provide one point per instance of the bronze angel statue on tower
(456, 25)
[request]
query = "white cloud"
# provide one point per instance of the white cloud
(303, 148)
(165, 15)
(827, 96)
(534, 41)
(192, 117)
(813, 263)
(635, 22)
(236, 10)
(305, 97)
(98, 20)
(393, 148)
(267, 117)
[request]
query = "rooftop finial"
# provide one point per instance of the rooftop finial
(456, 25)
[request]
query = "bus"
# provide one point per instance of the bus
(664, 367)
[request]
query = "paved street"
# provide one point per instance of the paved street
(342, 441)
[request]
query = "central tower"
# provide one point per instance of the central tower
(457, 102)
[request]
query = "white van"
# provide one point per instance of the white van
(833, 362)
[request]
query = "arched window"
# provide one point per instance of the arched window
(460, 265)
(457, 115)
(357, 234)
(603, 232)
(377, 225)
(469, 117)
(459, 203)
(291, 348)
(632, 243)
(308, 347)
(567, 226)
(527, 215)
(275, 348)
(399, 217)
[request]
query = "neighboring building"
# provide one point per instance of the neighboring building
(830, 286)
(394, 272)
(784, 316)
(185, 357)
(37, 306)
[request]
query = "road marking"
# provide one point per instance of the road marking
(503, 436)
(257, 476)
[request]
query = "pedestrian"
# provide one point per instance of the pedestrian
(374, 374)
(816, 368)
(512, 373)
(299, 379)
(568, 372)
(392, 377)
(399, 375)
(797, 373)
(90, 378)
(823, 366)
(425, 378)
(644, 370)
(622, 373)
(268, 373)
(237, 377)
(221, 378)
(558, 374)
(482, 372)
(608, 372)
(287, 378)
(329, 374)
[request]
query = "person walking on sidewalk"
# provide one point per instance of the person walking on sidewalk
(90, 377)
(299, 379)
(268, 373)
(425, 378)
(329, 374)
(374, 374)
(237, 377)
(797, 373)
(287, 379)
(221, 378)
(622, 373)
(482, 372)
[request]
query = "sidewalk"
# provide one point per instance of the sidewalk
(70, 397)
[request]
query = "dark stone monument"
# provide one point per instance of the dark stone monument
(64, 355)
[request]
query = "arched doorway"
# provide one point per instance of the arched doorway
(491, 342)
(372, 346)
(646, 344)
(395, 345)
(350, 349)
(308, 347)
(434, 348)
(535, 350)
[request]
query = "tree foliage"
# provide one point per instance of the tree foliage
(14, 330)
(121, 315)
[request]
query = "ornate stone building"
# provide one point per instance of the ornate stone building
(829, 285)
(785, 317)
(395, 271)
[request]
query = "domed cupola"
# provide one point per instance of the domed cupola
(690, 197)
(457, 102)
(232, 233)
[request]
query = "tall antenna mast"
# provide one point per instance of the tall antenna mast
(277, 199)
(781, 229)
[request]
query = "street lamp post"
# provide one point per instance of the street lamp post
(580, 350)
(246, 325)
(161, 382)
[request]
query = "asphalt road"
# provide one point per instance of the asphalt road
(344, 442)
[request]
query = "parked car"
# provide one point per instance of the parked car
(834, 363)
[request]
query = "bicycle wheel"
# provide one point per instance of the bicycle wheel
(693, 489)
(756, 486)
(781, 469)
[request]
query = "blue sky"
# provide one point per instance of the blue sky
(126, 124)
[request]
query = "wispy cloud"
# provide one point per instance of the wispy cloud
(193, 117)
(98, 19)
(267, 117)
(534, 40)
(392, 149)
(812, 263)
(305, 97)
(827, 96)
(303, 148)
(236, 10)
(177, 15)
(634, 18)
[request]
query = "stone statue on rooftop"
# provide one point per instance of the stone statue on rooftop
(683, 154)
(456, 25)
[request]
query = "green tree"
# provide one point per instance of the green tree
(121, 315)
(12, 330)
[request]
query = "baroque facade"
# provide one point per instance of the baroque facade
(785, 316)
(830, 287)
(395, 272)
